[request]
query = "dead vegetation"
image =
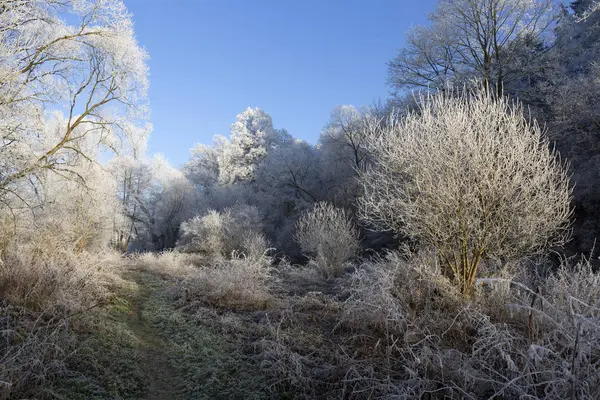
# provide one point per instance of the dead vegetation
(49, 300)
(394, 327)
(397, 328)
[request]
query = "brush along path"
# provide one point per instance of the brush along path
(181, 356)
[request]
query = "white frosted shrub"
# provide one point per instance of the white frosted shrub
(328, 236)
(205, 234)
(219, 234)
(244, 220)
(255, 246)
(470, 177)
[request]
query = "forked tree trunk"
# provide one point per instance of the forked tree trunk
(461, 267)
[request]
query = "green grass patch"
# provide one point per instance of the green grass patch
(208, 364)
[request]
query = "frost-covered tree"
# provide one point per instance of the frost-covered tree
(428, 60)
(291, 170)
(133, 178)
(287, 182)
(577, 44)
(472, 39)
(585, 8)
(169, 200)
(133, 181)
(203, 166)
(346, 135)
(252, 135)
(72, 78)
(343, 153)
(73, 216)
(155, 198)
(470, 177)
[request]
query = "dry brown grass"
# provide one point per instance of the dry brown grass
(395, 328)
(241, 283)
(46, 293)
(399, 329)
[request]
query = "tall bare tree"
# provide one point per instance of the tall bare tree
(472, 39)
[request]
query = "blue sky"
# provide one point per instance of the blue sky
(295, 59)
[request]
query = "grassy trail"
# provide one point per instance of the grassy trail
(147, 344)
(180, 355)
(162, 380)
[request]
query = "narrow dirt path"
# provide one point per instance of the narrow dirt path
(162, 377)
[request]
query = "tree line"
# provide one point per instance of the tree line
(71, 92)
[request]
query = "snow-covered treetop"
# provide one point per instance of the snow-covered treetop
(233, 160)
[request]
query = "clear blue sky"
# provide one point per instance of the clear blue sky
(295, 59)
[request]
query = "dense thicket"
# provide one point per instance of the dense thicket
(535, 52)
